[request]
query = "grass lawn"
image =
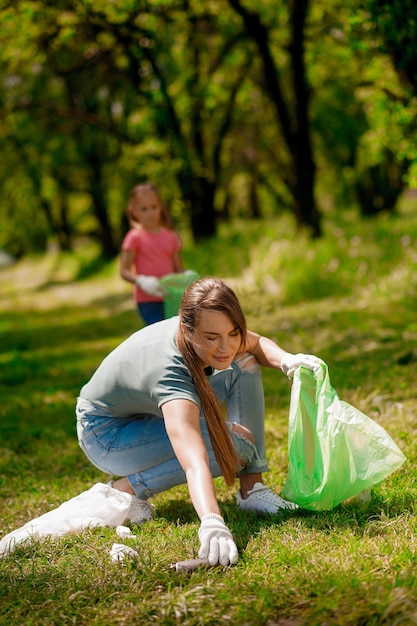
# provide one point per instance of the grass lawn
(350, 298)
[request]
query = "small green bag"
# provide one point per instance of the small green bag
(335, 451)
(174, 286)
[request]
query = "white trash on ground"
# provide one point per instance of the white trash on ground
(99, 506)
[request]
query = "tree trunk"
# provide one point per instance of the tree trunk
(293, 121)
(305, 207)
(108, 248)
(254, 208)
(200, 193)
(379, 186)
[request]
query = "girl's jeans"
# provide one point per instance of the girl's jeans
(151, 312)
(138, 447)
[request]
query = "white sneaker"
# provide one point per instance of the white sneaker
(261, 499)
(140, 511)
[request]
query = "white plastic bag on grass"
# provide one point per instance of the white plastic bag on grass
(99, 506)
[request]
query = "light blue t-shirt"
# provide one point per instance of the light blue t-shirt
(142, 373)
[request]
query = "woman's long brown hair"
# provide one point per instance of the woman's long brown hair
(210, 294)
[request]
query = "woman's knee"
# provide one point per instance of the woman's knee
(248, 363)
(245, 445)
(243, 432)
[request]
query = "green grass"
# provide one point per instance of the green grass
(350, 298)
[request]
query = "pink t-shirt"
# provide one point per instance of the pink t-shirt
(154, 255)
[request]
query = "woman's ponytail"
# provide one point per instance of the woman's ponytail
(210, 294)
(219, 435)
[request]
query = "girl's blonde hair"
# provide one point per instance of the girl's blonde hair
(135, 193)
(210, 294)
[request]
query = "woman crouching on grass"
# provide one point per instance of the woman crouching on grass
(151, 412)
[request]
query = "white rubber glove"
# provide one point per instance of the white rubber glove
(216, 541)
(291, 362)
(150, 285)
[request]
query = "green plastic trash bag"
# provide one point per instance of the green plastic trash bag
(335, 451)
(174, 286)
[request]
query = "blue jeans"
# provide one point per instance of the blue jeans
(138, 447)
(151, 312)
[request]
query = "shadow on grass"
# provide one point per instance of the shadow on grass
(65, 326)
(245, 525)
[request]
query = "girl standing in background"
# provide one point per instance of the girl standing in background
(150, 250)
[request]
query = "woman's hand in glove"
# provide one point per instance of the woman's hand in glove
(291, 362)
(216, 541)
(150, 285)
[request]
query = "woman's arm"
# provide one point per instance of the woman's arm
(267, 352)
(182, 422)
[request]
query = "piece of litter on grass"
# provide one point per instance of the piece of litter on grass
(99, 506)
(124, 532)
(119, 551)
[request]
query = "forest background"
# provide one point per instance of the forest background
(233, 108)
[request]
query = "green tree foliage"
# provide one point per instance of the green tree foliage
(59, 113)
(396, 20)
(231, 107)
(193, 75)
(383, 33)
